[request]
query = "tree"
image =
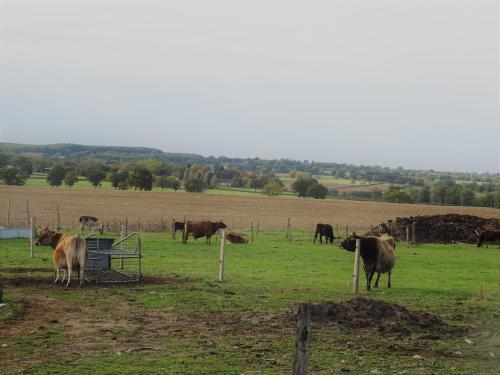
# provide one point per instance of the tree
(13, 176)
(141, 178)
(194, 185)
(272, 188)
(118, 178)
(317, 191)
(237, 181)
(173, 183)
(25, 164)
(56, 175)
(213, 182)
(70, 178)
(96, 173)
(161, 182)
(301, 185)
(424, 196)
(396, 194)
(467, 197)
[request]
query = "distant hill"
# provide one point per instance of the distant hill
(108, 154)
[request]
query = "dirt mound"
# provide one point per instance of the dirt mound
(362, 314)
(449, 228)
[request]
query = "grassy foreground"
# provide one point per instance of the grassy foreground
(182, 321)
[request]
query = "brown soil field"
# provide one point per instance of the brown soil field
(155, 208)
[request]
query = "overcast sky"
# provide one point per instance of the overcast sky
(409, 83)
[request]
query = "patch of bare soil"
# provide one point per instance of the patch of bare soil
(384, 317)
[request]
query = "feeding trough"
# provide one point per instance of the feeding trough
(113, 261)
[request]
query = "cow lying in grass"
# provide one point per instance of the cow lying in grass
(69, 252)
(377, 253)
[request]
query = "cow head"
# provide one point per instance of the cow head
(46, 237)
(349, 243)
(220, 225)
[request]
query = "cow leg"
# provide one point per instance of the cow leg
(70, 269)
(376, 280)
(57, 275)
(64, 275)
(369, 277)
(389, 280)
(315, 237)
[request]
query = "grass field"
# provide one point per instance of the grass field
(182, 321)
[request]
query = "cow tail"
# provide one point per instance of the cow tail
(82, 255)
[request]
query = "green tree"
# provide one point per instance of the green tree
(13, 176)
(467, 197)
(424, 196)
(118, 178)
(272, 188)
(70, 178)
(317, 191)
(25, 164)
(213, 182)
(194, 185)
(173, 183)
(237, 181)
(396, 194)
(161, 182)
(141, 178)
(96, 174)
(301, 185)
(55, 177)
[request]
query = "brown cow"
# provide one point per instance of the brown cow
(69, 251)
(488, 236)
(236, 238)
(200, 229)
(378, 255)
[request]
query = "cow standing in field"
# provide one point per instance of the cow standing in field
(178, 225)
(377, 253)
(488, 236)
(200, 229)
(325, 230)
(87, 221)
(69, 252)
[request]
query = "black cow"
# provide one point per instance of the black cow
(178, 225)
(325, 230)
(377, 253)
(488, 236)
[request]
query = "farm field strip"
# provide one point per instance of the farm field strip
(236, 211)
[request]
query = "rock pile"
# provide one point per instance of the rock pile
(451, 228)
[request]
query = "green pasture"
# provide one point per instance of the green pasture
(244, 325)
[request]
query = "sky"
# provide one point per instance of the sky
(394, 83)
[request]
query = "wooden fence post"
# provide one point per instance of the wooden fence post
(221, 256)
(355, 280)
(407, 234)
(122, 236)
(28, 213)
(302, 338)
(58, 219)
(8, 213)
(126, 226)
(257, 233)
(251, 231)
(347, 230)
(287, 229)
(289, 232)
(173, 229)
(184, 233)
(32, 228)
(414, 233)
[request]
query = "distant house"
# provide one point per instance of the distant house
(223, 182)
